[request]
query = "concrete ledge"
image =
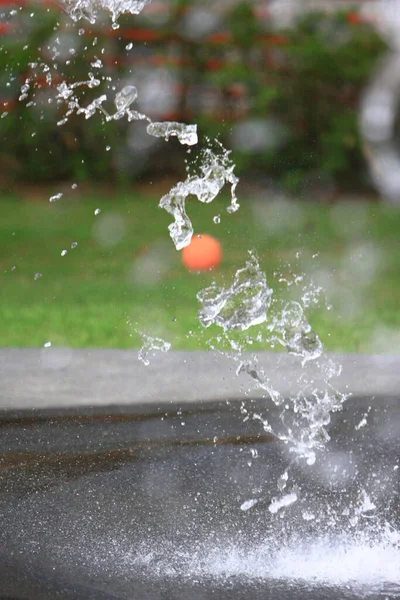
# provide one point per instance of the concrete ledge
(61, 377)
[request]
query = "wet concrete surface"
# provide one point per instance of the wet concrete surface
(121, 503)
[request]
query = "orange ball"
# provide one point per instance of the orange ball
(203, 253)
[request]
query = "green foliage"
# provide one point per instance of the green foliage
(305, 81)
(243, 25)
(309, 79)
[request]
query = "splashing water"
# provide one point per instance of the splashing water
(151, 345)
(361, 562)
(88, 9)
(293, 331)
(125, 97)
(241, 306)
(215, 171)
(123, 101)
(278, 503)
(246, 304)
(186, 134)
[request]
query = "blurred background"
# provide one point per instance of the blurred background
(271, 79)
(305, 94)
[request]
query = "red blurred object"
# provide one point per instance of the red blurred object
(203, 253)
(136, 35)
(215, 64)
(5, 28)
(219, 38)
(355, 18)
(276, 40)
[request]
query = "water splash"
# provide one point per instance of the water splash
(291, 329)
(360, 561)
(240, 306)
(186, 134)
(247, 504)
(215, 171)
(88, 9)
(125, 98)
(123, 101)
(306, 413)
(283, 502)
(151, 345)
(66, 93)
(246, 304)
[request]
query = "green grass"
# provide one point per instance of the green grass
(101, 296)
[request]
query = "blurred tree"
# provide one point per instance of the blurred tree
(286, 100)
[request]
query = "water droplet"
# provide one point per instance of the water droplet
(125, 97)
(97, 211)
(308, 516)
(186, 134)
(37, 276)
(282, 481)
(278, 503)
(56, 197)
(248, 504)
(152, 344)
(97, 64)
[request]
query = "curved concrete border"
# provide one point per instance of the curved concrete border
(61, 377)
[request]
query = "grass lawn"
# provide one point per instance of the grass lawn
(125, 276)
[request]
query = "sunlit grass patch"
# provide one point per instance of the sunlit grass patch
(121, 275)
